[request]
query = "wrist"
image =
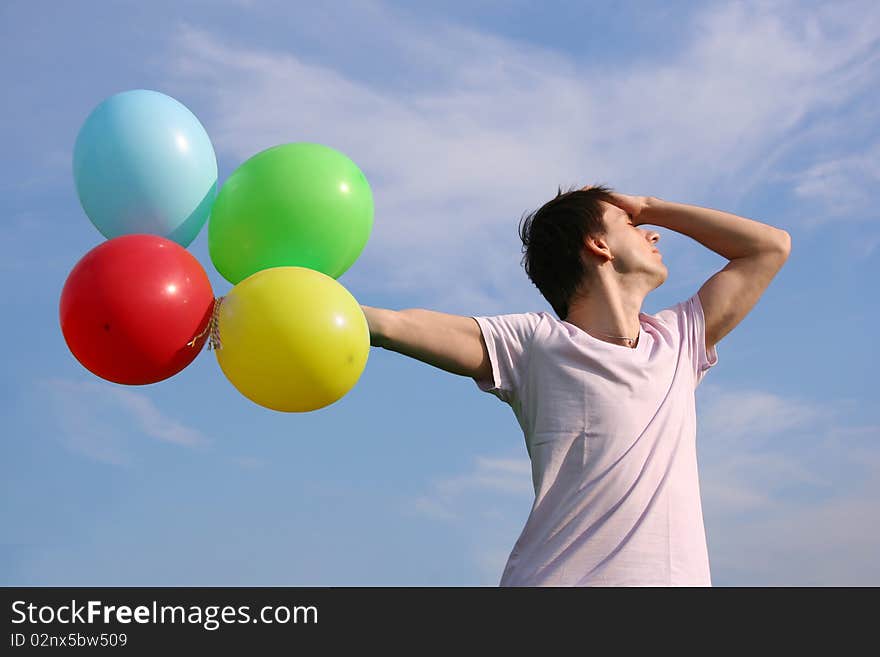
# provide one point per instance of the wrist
(651, 210)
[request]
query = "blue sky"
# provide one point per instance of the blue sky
(462, 116)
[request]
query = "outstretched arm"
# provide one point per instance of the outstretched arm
(450, 342)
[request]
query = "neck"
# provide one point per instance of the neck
(609, 315)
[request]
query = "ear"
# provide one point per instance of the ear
(598, 246)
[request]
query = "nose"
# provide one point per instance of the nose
(653, 236)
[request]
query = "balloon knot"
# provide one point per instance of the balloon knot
(213, 326)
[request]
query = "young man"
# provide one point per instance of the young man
(603, 392)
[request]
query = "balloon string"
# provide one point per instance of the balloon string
(213, 326)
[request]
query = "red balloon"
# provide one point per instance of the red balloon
(130, 306)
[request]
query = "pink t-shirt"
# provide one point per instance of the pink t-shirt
(611, 433)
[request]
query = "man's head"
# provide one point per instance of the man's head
(579, 237)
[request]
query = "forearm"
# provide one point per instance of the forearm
(378, 320)
(727, 234)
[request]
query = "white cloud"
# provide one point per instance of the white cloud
(846, 188)
(497, 124)
(452, 497)
(489, 504)
(89, 415)
(789, 491)
(827, 543)
(152, 422)
(750, 415)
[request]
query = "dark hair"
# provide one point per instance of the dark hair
(553, 242)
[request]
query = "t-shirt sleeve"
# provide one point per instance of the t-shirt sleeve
(691, 324)
(507, 340)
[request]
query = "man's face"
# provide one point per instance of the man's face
(634, 248)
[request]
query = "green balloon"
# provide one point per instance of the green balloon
(300, 204)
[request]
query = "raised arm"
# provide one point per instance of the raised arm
(452, 343)
(756, 251)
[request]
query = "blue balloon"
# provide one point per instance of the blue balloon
(143, 163)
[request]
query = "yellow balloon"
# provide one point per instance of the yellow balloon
(292, 339)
